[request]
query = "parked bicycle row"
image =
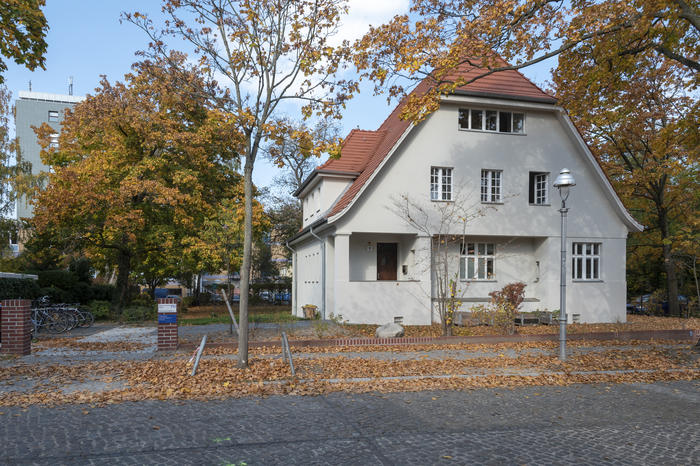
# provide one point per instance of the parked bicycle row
(58, 318)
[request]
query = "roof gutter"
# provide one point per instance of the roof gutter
(496, 95)
(306, 230)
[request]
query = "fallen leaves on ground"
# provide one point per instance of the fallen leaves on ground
(403, 348)
(75, 343)
(634, 323)
(217, 378)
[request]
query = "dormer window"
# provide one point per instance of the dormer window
(495, 121)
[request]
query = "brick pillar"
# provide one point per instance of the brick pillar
(16, 326)
(167, 324)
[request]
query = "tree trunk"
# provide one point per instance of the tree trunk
(123, 271)
(152, 290)
(245, 266)
(671, 276)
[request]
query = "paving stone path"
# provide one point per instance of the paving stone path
(580, 424)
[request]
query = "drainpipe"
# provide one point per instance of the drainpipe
(294, 278)
(323, 273)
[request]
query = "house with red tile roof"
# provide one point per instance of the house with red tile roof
(492, 150)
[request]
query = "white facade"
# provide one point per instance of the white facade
(338, 272)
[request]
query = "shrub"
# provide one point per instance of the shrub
(19, 288)
(143, 300)
(103, 292)
(501, 311)
(506, 304)
(62, 279)
(138, 313)
(56, 295)
(186, 303)
(100, 309)
(82, 293)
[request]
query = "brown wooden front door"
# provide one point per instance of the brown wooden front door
(386, 261)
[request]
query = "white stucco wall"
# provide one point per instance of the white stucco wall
(516, 261)
(438, 142)
(308, 279)
(530, 232)
(379, 302)
(321, 195)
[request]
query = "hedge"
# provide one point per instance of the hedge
(19, 288)
(77, 292)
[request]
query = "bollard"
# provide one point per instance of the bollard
(167, 324)
(16, 326)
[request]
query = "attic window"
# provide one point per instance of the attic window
(495, 121)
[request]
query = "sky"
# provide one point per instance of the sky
(86, 40)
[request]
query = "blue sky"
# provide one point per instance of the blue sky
(86, 40)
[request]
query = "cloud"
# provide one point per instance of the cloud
(364, 13)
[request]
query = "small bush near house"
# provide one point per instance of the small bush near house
(504, 305)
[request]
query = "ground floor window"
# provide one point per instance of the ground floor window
(585, 259)
(477, 261)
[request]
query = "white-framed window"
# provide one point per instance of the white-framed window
(440, 184)
(585, 258)
(491, 120)
(53, 141)
(491, 183)
(53, 115)
(539, 188)
(477, 261)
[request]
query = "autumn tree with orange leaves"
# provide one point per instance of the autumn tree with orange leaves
(139, 167)
(439, 36)
(642, 126)
(23, 29)
(265, 53)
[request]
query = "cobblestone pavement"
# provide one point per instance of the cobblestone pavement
(581, 424)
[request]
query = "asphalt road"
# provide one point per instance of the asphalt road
(583, 424)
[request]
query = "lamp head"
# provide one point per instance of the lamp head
(564, 181)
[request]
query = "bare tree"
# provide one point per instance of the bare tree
(446, 224)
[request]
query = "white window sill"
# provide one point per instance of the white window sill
(476, 280)
(540, 205)
(586, 280)
(441, 200)
(491, 202)
(490, 132)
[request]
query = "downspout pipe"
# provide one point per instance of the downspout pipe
(294, 278)
(323, 272)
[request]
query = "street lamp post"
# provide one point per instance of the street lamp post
(563, 182)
